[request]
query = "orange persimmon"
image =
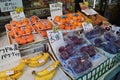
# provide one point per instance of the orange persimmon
(9, 27)
(17, 39)
(67, 27)
(43, 33)
(12, 34)
(22, 41)
(28, 31)
(21, 32)
(30, 38)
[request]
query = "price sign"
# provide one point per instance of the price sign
(10, 5)
(17, 16)
(56, 39)
(56, 9)
(87, 26)
(9, 53)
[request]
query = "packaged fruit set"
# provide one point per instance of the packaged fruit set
(104, 39)
(71, 21)
(76, 54)
(24, 31)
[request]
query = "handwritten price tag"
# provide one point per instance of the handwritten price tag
(87, 26)
(17, 16)
(56, 9)
(9, 53)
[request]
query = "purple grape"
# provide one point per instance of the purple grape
(64, 55)
(98, 42)
(84, 49)
(109, 37)
(79, 69)
(91, 50)
(61, 49)
(72, 63)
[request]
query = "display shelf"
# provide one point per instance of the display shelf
(101, 69)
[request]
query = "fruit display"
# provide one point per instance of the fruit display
(41, 26)
(47, 73)
(89, 49)
(69, 21)
(24, 31)
(38, 60)
(13, 73)
(74, 59)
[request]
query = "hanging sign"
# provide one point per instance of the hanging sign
(10, 5)
(56, 9)
(17, 16)
(9, 53)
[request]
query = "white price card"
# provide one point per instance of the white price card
(89, 11)
(17, 16)
(87, 26)
(9, 53)
(56, 9)
(10, 5)
(56, 39)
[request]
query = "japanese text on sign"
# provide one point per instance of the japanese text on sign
(10, 5)
(9, 53)
(17, 16)
(54, 36)
(56, 9)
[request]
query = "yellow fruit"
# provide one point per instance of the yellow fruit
(20, 67)
(48, 70)
(46, 77)
(16, 76)
(40, 62)
(35, 57)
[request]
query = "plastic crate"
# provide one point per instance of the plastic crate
(100, 70)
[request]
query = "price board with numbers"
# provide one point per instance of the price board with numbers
(9, 53)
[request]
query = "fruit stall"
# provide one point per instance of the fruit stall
(64, 46)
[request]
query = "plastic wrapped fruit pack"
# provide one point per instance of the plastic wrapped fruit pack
(74, 60)
(41, 26)
(108, 42)
(20, 31)
(69, 21)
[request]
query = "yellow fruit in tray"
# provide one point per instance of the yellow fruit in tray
(39, 62)
(46, 77)
(35, 58)
(12, 71)
(47, 70)
(15, 76)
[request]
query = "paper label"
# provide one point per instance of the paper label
(10, 5)
(87, 26)
(9, 53)
(9, 72)
(17, 16)
(89, 11)
(56, 40)
(50, 68)
(41, 60)
(56, 9)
